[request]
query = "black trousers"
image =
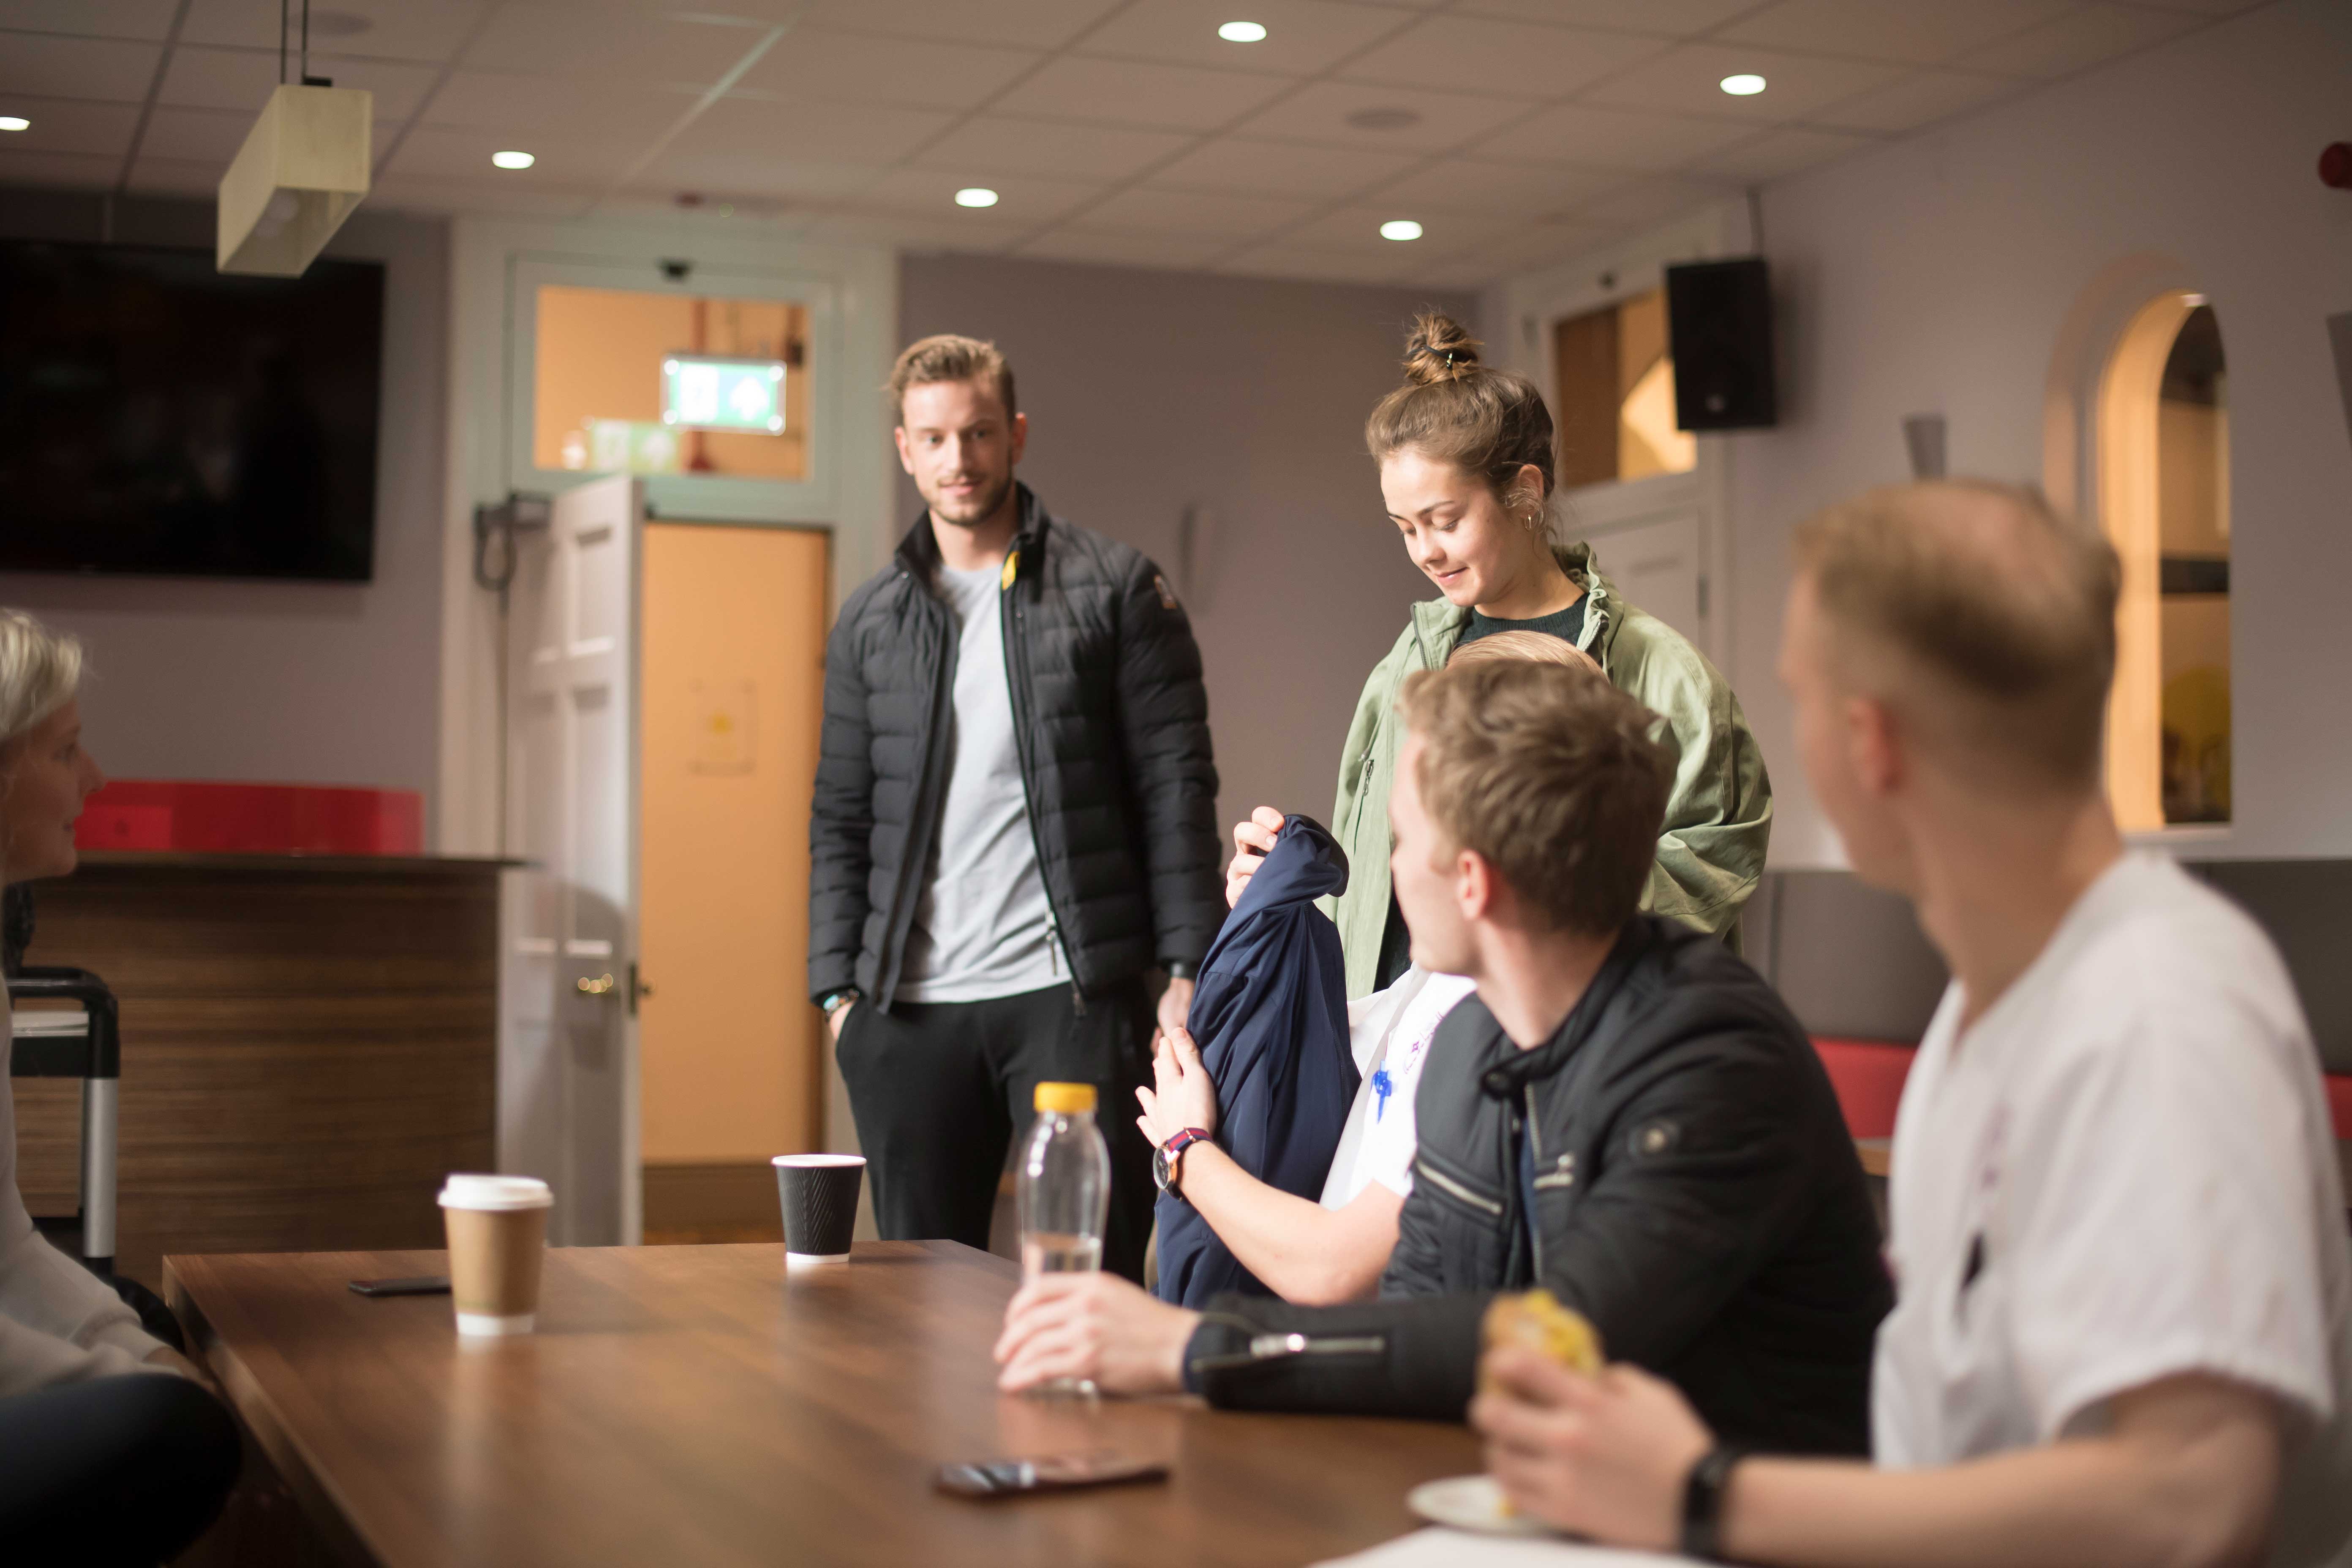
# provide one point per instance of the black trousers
(940, 1090)
(126, 1470)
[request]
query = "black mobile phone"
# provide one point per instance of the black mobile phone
(422, 1285)
(1007, 1477)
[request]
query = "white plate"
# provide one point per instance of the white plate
(1469, 1502)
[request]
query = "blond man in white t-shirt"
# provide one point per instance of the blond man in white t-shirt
(2123, 1325)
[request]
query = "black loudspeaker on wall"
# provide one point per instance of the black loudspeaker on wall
(1719, 320)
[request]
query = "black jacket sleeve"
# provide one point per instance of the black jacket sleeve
(841, 818)
(1417, 1358)
(1164, 725)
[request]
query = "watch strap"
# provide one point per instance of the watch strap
(1704, 1490)
(1172, 1157)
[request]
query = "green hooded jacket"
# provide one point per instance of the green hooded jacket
(1718, 815)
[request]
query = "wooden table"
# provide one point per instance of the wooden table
(694, 1406)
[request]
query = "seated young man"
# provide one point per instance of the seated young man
(1625, 1113)
(1333, 1250)
(2124, 1329)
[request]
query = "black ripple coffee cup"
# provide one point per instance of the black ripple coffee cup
(819, 1194)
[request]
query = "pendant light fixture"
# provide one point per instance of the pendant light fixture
(303, 168)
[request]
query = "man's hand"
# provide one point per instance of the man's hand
(1252, 842)
(1182, 1095)
(1175, 1005)
(1604, 1456)
(836, 1018)
(1096, 1327)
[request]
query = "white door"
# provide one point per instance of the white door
(1655, 563)
(567, 1057)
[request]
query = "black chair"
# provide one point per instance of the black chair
(54, 1043)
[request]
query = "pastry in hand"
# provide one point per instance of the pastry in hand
(1536, 1320)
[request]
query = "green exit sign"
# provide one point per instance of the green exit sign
(700, 392)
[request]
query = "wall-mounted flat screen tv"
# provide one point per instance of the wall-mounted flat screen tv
(158, 417)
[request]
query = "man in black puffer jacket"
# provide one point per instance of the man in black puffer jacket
(1623, 1113)
(1014, 821)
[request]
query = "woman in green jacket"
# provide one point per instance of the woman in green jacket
(1465, 458)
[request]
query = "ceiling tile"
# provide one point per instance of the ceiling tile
(1200, 213)
(1319, 112)
(1917, 101)
(436, 152)
(1123, 249)
(596, 41)
(1302, 36)
(912, 233)
(750, 174)
(405, 193)
(243, 80)
(208, 136)
(81, 171)
(1613, 138)
(810, 62)
(1322, 266)
(150, 19)
(1686, 79)
(1127, 92)
(1533, 245)
(1281, 168)
(1024, 201)
(1665, 19)
(1914, 32)
(1649, 200)
(1477, 54)
(535, 113)
(2082, 39)
(72, 125)
(1019, 24)
(1000, 144)
(1777, 154)
(816, 132)
(102, 69)
(1519, 191)
(1356, 230)
(388, 29)
(155, 176)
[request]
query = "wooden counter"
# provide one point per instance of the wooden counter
(309, 1044)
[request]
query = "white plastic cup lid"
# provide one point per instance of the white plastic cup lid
(817, 1161)
(496, 1193)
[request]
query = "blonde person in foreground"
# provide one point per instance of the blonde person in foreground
(2124, 1312)
(101, 1460)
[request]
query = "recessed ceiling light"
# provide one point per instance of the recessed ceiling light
(1384, 119)
(1400, 228)
(1243, 32)
(975, 196)
(1747, 84)
(513, 159)
(15, 122)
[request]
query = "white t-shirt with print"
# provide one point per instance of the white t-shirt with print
(1390, 1031)
(2122, 1172)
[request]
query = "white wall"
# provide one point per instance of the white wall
(1149, 391)
(1939, 275)
(284, 682)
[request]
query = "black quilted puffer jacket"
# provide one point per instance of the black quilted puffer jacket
(1113, 727)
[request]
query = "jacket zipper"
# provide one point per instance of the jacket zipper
(1016, 665)
(1447, 1184)
(1535, 1158)
(917, 852)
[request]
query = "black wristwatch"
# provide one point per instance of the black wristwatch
(1167, 1167)
(1703, 1493)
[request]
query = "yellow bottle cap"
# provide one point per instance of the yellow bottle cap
(1069, 1099)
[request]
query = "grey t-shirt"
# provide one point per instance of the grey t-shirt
(982, 926)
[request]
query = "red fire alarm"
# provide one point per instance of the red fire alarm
(2336, 166)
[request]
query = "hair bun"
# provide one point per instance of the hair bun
(1439, 348)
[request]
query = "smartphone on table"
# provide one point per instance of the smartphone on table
(1060, 1472)
(420, 1285)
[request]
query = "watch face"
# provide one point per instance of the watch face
(1159, 1169)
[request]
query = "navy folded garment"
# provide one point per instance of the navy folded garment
(1270, 1015)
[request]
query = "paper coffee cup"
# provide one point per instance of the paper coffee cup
(498, 1234)
(819, 1194)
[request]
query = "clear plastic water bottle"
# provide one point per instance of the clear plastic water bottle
(1063, 1188)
